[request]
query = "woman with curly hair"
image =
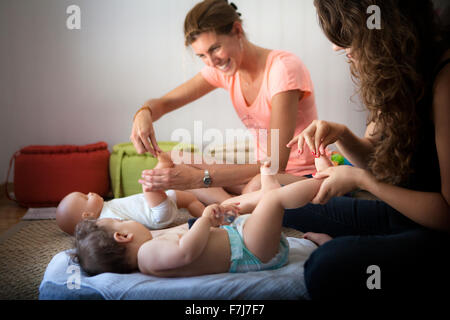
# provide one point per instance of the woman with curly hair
(396, 245)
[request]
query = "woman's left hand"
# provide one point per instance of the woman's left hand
(179, 177)
(337, 182)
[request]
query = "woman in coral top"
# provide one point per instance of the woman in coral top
(269, 89)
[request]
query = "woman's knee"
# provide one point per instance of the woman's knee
(339, 269)
(333, 272)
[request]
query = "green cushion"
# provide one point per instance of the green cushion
(126, 166)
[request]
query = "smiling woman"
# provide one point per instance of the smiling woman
(269, 89)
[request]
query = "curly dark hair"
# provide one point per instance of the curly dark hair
(96, 250)
(393, 68)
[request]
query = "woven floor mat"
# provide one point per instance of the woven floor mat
(25, 255)
(26, 251)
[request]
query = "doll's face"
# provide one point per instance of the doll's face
(78, 206)
(90, 203)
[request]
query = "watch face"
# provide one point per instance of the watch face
(207, 181)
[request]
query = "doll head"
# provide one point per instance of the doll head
(75, 207)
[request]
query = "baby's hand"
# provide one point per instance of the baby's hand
(217, 213)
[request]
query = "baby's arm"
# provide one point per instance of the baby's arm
(158, 255)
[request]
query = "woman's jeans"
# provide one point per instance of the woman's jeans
(376, 252)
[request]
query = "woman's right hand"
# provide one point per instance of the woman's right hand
(318, 135)
(143, 135)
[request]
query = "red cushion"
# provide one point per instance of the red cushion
(43, 175)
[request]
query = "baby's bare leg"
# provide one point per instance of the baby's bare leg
(247, 202)
(189, 201)
(268, 179)
(164, 161)
(283, 179)
(262, 230)
(154, 198)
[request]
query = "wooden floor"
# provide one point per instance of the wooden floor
(10, 212)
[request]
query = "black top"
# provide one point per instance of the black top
(426, 174)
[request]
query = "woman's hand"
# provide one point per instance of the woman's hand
(179, 177)
(216, 213)
(143, 135)
(338, 181)
(318, 135)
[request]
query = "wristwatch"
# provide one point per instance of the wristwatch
(207, 179)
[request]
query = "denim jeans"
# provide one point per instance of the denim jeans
(411, 259)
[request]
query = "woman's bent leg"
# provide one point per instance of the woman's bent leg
(368, 233)
(410, 264)
(343, 216)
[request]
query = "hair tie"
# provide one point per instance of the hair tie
(234, 7)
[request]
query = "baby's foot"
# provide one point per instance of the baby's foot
(164, 161)
(317, 238)
(265, 168)
(268, 178)
(322, 163)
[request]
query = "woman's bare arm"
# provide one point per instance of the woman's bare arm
(182, 95)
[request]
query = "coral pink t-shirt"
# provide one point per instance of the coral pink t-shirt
(284, 72)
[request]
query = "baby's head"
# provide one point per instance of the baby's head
(75, 207)
(109, 245)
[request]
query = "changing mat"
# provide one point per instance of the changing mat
(63, 280)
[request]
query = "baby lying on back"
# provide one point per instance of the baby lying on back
(252, 242)
(155, 210)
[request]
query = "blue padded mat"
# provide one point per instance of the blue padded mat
(63, 280)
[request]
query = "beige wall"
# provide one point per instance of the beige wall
(60, 86)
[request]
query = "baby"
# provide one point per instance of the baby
(155, 210)
(252, 242)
